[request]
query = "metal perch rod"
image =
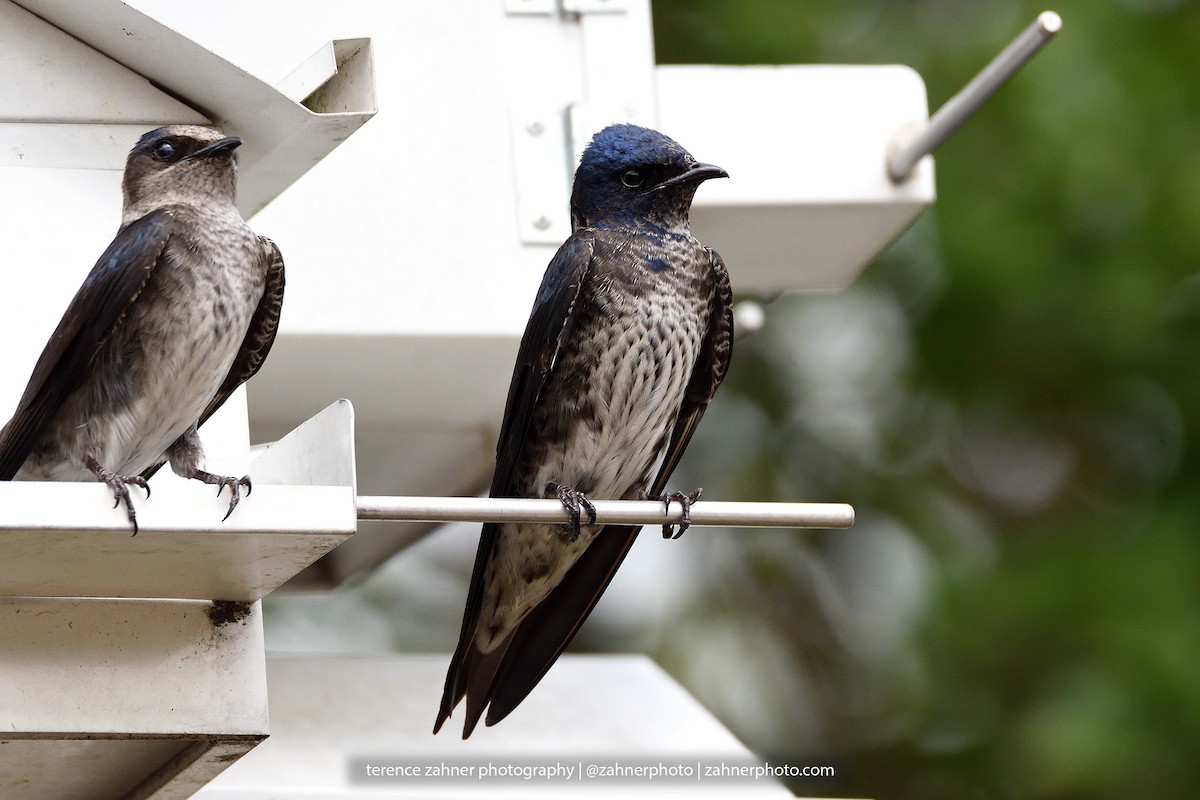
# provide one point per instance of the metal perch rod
(620, 512)
(957, 109)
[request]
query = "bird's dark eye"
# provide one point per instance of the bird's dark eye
(632, 178)
(164, 151)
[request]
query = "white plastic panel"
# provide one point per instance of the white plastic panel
(329, 713)
(110, 699)
(808, 203)
(50, 76)
(311, 75)
(67, 539)
(179, 672)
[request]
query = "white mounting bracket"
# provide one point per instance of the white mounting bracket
(539, 163)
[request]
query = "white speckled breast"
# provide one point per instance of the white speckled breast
(637, 346)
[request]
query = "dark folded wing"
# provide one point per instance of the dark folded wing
(550, 320)
(97, 308)
(549, 324)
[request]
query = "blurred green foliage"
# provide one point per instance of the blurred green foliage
(1017, 611)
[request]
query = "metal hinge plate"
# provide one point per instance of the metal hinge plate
(542, 174)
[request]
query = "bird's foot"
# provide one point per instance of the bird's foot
(685, 520)
(221, 481)
(120, 487)
(576, 503)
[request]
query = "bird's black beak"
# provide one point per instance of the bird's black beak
(697, 174)
(226, 145)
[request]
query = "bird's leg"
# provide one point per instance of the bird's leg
(186, 454)
(120, 487)
(574, 502)
(221, 481)
(685, 520)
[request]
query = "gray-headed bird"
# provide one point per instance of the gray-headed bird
(630, 335)
(179, 311)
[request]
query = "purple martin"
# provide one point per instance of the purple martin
(630, 335)
(179, 311)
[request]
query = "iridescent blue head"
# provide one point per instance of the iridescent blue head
(630, 174)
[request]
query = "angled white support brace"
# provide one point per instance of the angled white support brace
(111, 51)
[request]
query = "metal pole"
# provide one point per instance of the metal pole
(622, 512)
(957, 109)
